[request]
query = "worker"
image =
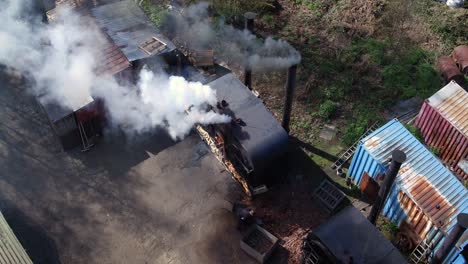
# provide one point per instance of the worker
(245, 216)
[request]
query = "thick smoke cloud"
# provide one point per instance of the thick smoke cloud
(193, 27)
(61, 57)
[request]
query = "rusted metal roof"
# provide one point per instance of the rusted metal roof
(111, 59)
(428, 183)
(11, 250)
(452, 103)
(129, 28)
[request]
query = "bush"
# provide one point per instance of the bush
(156, 13)
(327, 109)
(410, 76)
(416, 132)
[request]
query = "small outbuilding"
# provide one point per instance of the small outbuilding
(443, 122)
(426, 196)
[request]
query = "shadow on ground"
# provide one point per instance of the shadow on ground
(40, 247)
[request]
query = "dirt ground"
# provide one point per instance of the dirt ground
(148, 200)
(140, 200)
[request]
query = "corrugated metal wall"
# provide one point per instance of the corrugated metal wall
(438, 132)
(11, 251)
(372, 156)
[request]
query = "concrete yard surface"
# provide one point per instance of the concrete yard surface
(139, 200)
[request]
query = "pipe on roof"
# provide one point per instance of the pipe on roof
(452, 239)
(398, 157)
(249, 25)
(288, 99)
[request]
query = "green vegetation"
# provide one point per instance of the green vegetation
(327, 109)
(364, 117)
(416, 132)
(156, 13)
(232, 8)
(434, 150)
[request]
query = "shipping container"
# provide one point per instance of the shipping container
(426, 196)
(443, 122)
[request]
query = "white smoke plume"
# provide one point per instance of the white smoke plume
(61, 59)
(194, 27)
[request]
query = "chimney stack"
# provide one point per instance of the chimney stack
(288, 100)
(249, 25)
(452, 239)
(398, 157)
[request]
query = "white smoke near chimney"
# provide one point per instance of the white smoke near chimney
(194, 27)
(61, 58)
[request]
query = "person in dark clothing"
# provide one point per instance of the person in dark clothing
(245, 216)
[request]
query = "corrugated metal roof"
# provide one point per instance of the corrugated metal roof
(111, 59)
(452, 103)
(129, 28)
(422, 176)
(11, 251)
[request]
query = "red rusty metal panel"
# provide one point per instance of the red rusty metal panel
(369, 187)
(93, 110)
(417, 221)
(111, 59)
(434, 205)
(460, 56)
(449, 70)
(438, 132)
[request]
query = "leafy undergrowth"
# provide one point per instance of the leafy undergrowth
(359, 56)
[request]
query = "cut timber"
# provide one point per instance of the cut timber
(229, 166)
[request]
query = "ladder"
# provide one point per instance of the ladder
(421, 253)
(311, 257)
(85, 141)
(346, 155)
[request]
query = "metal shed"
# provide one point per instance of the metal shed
(130, 29)
(443, 121)
(426, 196)
(11, 250)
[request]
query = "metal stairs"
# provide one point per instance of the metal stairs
(421, 253)
(346, 155)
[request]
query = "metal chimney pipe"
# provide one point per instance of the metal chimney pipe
(452, 239)
(249, 25)
(398, 157)
(288, 99)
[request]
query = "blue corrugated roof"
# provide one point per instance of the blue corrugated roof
(422, 176)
